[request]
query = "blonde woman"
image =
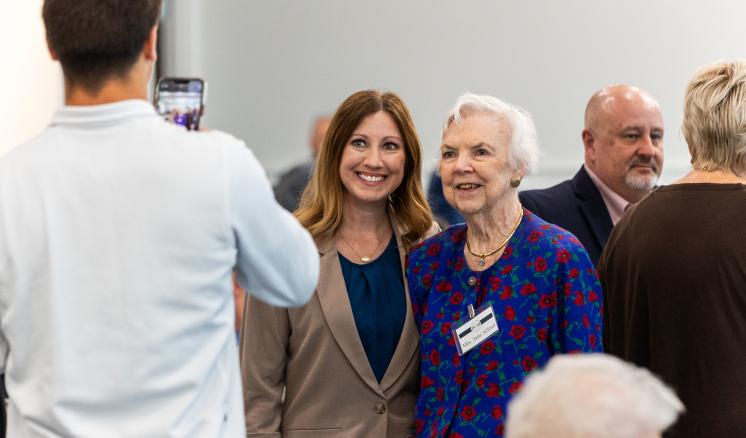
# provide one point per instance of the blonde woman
(347, 361)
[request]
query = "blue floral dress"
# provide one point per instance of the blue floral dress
(547, 300)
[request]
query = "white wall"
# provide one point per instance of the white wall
(272, 65)
(30, 82)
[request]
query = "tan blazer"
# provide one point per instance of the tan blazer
(315, 353)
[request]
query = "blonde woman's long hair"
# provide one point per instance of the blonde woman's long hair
(320, 209)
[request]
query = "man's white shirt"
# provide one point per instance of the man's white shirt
(118, 236)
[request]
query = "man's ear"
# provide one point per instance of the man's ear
(150, 49)
(589, 142)
(52, 53)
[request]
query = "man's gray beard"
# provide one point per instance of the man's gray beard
(641, 183)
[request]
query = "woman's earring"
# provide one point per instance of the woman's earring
(515, 181)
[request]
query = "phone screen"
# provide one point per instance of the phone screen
(180, 101)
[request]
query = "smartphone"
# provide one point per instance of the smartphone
(181, 100)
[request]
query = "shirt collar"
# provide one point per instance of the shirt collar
(102, 114)
(615, 204)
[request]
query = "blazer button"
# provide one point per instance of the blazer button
(472, 281)
(381, 408)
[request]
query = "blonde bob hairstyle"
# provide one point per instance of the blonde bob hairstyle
(320, 209)
(715, 117)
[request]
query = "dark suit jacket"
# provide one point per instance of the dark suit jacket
(577, 206)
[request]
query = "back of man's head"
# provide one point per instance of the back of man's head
(591, 396)
(96, 40)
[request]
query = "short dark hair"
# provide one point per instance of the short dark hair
(98, 39)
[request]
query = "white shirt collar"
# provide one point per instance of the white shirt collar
(615, 204)
(102, 114)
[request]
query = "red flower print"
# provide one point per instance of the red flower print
(494, 282)
(540, 264)
(419, 425)
(459, 265)
(528, 289)
(427, 325)
(500, 429)
(507, 293)
(534, 236)
(563, 256)
(566, 289)
(444, 286)
(508, 252)
(453, 435)
(592, 340)
(481, 379)
(497, 412)
(426, 382)
(445, 328)
(434, 266)
(440, 410)
(579, 300)
(586, 322)
(434, 357)
(458, 235)
(530, 319)
(433, 249)
(592, 297)
(459, 377)
(468, 413)
(548, 300)
(574, 273)
(541, 334)
(456, 359)
(439, 393)
(416, 269)
(493, 390)
(492, 365)
(517, 332)
(427, 280)
(487, 347)
(528, 363)
(509, 313)
(514, 387)
(506, 270)
(457, 298)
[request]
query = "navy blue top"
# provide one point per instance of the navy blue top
(376, 292)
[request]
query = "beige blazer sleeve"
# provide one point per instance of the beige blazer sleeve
(263, 349)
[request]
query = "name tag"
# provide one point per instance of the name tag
(475, 330)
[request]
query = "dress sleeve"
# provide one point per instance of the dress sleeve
(417, 290)
(269, 239)
(263, 345)
(579, 293)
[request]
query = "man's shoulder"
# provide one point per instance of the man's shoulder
(556, 196)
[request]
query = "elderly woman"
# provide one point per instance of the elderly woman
(345, 364)
(591, 395)
(674, 269)
(497, 296)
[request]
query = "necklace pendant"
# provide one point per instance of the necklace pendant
(481, 261)
(365, 259)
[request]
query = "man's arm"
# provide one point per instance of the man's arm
(277, 260)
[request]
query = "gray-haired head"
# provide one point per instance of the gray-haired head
(591, 395)
(524, 148)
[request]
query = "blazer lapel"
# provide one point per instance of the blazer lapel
(410, 338)
(335, 304)
(593, 207)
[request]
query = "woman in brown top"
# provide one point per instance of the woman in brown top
(674, 269)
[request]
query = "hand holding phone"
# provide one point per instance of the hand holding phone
(181, 100)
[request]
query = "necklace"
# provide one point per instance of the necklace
(364, 259)
(502, 245)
